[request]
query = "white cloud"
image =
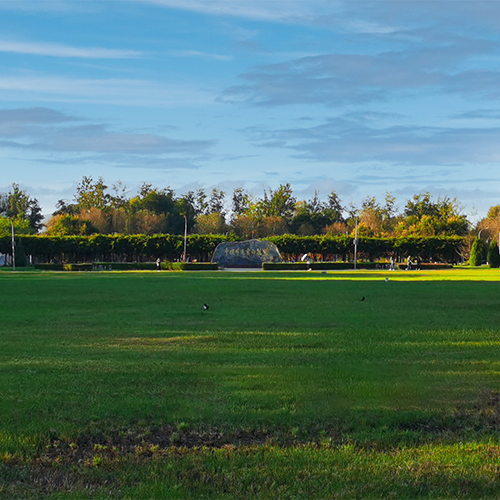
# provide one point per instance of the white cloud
(339, 79)
(128, 92)
(44, 5)
(44, 131)
(263, 10)
(342, 140)
(57, 50)
(196, 53)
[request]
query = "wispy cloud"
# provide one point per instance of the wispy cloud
(342, 140)
(49, 131)
(340, 79)
(45, 5)
(35, 87)
(196, 53)
(57, 50)
(263, 10)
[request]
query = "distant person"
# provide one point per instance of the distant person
(158, 264)
(392, 266)
(408, 263)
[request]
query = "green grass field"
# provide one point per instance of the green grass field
(120, 385)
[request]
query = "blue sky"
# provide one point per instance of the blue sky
(360, 97)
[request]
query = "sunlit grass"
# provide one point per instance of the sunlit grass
(413, 369)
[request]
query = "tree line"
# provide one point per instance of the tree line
(97, 208)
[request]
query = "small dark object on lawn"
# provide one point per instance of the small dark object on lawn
(205, 306)
(362, 298)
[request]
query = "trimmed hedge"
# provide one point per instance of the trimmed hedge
(169, 247)
(317, 266)
(130, 266)
(337, 266)
(427, 266)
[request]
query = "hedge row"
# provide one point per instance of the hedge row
(130, 266)
(316, 266)
(169, 247)
(333, 266)
(446, 248)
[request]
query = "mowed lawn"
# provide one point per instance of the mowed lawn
(288, 386)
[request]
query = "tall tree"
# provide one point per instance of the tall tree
(92, 194)
(216, 202)
(240, 201)
(19, 206)
(279, 203)
(425, 217)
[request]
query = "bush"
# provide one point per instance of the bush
(493, 255)
(130, 266)
(192, 266)
(49, 267)
(20, 254)
(476, 253)
(317, 266)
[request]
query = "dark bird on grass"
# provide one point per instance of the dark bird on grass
(362, 298)
(205, 306)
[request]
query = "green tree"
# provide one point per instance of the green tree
(493, 255)
(68, 225)
(240, 201)
(424, 217)
(21, 260)
(212, 223)
(92, 194)
(17, 206)
(216, 202)
(279, 203)
(476, 253)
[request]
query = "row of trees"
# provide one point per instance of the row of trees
(98, 210)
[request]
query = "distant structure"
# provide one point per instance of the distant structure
(251, 253)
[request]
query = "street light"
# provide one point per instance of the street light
(185, 238)
(479, 234)
(13, 246)
(356, 244)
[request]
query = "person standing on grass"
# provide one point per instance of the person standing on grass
(392, 267)
(408, 263)
(158, 264)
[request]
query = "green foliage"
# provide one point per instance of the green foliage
(24, 211)
(212, 223)
(21, 260)
(92, 194)
(476, 253)
(493, 255)
(311, 217)
(68, 225)
(119, 248)
(424, 217)
(21, 226)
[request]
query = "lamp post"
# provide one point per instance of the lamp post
(13, 246)
(479, 234)
(185, 238)
(356, 244)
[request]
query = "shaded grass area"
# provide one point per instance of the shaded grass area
(288, 386)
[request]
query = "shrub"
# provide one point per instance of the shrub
(476, 253)
(493, 255)
(20, 254)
